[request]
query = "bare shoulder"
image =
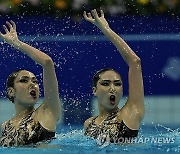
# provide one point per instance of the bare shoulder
(87, 122)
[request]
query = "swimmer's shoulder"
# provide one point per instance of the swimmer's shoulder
(87, 122)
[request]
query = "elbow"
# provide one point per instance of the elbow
(48, 61)
(137, 61)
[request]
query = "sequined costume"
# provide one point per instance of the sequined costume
(28, 131)
(110, 129)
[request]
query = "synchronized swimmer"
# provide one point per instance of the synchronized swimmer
(113, 123)
(30, 125)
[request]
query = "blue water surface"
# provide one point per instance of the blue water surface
(71, 140)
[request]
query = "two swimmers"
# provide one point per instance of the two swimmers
(30, 125)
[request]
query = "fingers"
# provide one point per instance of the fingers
(5, 28)
(14, 25)
(10, 26)
(85, 16)
(94, 13)
(88, 17)
(102, 13)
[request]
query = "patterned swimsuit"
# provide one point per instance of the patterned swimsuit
(110, 129)
(29, 131)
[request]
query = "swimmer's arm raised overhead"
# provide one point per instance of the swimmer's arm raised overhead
(51, 106)
(133, 111)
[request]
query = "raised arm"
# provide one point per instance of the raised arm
(51, 104)
(133, 111)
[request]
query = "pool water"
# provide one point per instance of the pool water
(70, 139)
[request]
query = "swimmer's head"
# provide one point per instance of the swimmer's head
(22, 85)
(98, 74)
(108, 88)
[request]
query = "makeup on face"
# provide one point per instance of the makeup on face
(109, 82)
(33, 89)
(25, 79)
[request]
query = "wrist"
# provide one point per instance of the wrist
(16, 43)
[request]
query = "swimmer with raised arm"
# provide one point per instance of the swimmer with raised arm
(30, 125)
(113, 123)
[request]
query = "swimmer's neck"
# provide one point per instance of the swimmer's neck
(105, 113)
(22, 111)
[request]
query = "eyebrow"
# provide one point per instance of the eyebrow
(27, 77)
(117, 81)
(110, 80)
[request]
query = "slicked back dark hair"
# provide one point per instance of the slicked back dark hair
(10, 83)
(96, 77)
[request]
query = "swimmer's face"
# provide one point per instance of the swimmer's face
(109, 90)
(26, 88)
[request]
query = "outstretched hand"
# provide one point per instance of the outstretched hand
(11, 35)
(93, 17)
